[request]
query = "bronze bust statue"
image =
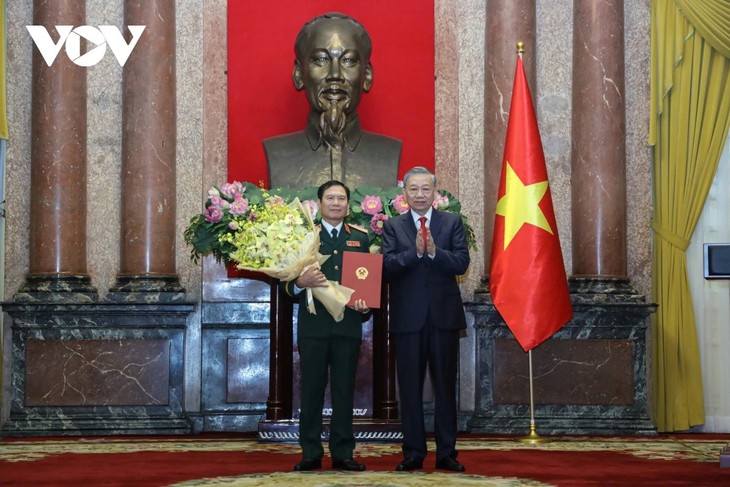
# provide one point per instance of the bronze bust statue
(333, 67)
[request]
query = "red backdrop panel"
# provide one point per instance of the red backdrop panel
(262, 101)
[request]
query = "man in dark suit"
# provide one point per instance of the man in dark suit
(327, 347)
(423, 251)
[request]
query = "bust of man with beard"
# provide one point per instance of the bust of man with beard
(333, 67)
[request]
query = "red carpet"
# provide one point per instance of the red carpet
(676, 460)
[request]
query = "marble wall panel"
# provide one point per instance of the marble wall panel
(97, 372)
(586, 372)
(247, 370)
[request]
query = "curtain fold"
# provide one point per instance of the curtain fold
(690, 117)
(711, 18)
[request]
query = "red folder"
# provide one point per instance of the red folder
(363, 272)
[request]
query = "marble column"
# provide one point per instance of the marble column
(147, 260)
(507, 23)
(57, 267)
(598, 162)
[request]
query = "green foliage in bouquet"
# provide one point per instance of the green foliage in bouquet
(211, 232)
(231, 209)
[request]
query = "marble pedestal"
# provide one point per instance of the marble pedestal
(589, 378)
(235, 364)
(97, 369)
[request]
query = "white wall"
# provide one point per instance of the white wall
(711, 299)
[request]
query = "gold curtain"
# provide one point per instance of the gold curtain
(690, 117)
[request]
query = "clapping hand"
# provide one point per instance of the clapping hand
(429, 247)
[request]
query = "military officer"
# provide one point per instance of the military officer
(326, 346)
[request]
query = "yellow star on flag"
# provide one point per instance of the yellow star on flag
(519, 205)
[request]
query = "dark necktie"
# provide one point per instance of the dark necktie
(334, 234)
(423, 230)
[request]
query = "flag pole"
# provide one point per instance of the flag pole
(533, 300)
(533, 437)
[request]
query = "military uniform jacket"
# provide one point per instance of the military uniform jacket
(323, 324)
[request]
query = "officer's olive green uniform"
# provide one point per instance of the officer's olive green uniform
(329, 346)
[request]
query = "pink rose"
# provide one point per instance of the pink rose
(239, 207)
(377, 221)
(213, 214)
(372, 205)
(400, 204)
(219, 202)
(228, 190)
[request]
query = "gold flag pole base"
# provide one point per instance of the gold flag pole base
(533, 438)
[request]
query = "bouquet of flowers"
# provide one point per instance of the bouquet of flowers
(261, 231)
(272, 231)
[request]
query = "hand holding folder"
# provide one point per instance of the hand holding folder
(363, 272)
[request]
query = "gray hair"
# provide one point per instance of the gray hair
(418, 170)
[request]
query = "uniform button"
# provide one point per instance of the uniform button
(337, 268)
(335, 252)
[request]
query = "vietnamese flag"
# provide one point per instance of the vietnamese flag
(527, 281)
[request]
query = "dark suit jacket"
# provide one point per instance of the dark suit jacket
(323, 324)
(425, 285)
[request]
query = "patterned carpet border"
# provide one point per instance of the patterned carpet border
(375, 479)
(665, 448)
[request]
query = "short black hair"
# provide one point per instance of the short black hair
(328, 185)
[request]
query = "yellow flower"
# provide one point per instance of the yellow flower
(276, 232)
